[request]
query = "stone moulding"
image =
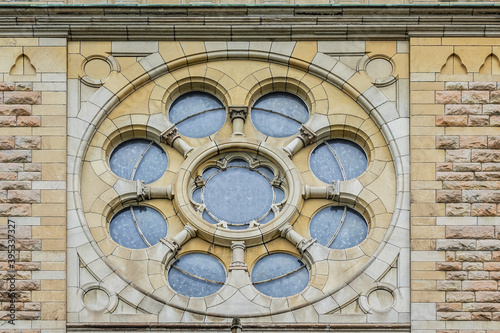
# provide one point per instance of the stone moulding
(372, 22)
(154, 66)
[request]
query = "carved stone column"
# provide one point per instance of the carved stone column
(238, 116)
(172, 138)
(330, 192)
(304, 138)
(301, 243)
(174, 244)
(238, 256)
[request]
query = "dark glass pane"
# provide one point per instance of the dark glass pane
(277, 268)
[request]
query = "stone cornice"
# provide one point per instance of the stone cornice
(233, 23)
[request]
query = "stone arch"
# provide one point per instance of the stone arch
(22, 66)
(491, 65)
(453, 66)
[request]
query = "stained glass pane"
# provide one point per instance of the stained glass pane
(197, 114)
(338, 159)
(124, 230)
(279, 114)
(280, 275)
(196, 275)
(338, 227)
(138, 159)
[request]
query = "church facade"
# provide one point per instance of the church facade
(264, 167)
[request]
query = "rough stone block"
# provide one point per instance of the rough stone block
(22, 97)
(451, 121)
(475, 97)
(471, 232)
(464, 109)
(448, 97)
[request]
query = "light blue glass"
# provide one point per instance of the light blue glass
(197, 195)
(152, 165)
(338, 227)
(208, 172)
(237, 162)
(268, 173)
(150, 223)
(138, 159)
(279, 114)
(338, 159)
(280, 195)
(280, 275)
(238, 195)
(196, 275)
(197, 114)
(267, 218)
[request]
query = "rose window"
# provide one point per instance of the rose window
(219, 203)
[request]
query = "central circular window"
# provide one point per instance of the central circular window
(237, 196)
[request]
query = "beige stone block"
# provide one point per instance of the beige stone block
(427, 209)
(454, 77)
(54, 142)
(53, 311)
(427, 86)
(426, 109)
(48, 209)
(422, 97)
(471, 131)
(49, 296)
(47, 59)
(171, 51)
(53, 196)
(470, 41)
(73, 47)
(50, 97)
(53, 171)
(473, 56)
(304, 51)
(119, 85)
(425, 41)
(75, 66)
(49, 110)
(48, 232)
(13, 42)
(53, 244)
(427, 296)
(420, 275)
(8, 56)
(358, 83)
(136, 105)
(402, 66)
(427, 155)
(387, 48)
(193, 48)
(422, 121)
(423, 171)
(88, 49)
(422, 142)
(54, 220)
(429, 58)
(49, 156)
(426, 232)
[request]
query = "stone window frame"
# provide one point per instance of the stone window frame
(107, 97)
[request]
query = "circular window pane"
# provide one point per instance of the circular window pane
(338, 159)
(197, 114)
(279, 114)
(236, 196)
(196, 275)
(138, 159)
(338, 227)
(280, 275)
(137, 227)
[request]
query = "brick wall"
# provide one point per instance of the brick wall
(471, 187)
(32, 184)
(455, 141)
